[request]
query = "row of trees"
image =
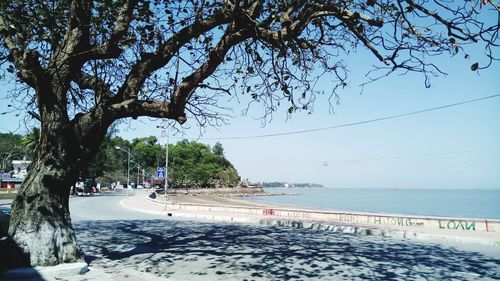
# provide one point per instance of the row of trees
(191, 164)
(196, 164)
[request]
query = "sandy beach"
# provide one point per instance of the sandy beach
(215, 200)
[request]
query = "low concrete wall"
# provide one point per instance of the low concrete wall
(441, 224)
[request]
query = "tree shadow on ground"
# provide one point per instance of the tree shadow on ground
(193, 250)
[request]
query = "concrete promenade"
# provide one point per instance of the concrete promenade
(462, 230)
(125, 244)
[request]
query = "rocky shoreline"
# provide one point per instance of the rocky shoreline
(224, 192)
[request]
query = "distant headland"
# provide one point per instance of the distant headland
(289, 184)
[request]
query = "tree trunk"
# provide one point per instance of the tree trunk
(40, 221)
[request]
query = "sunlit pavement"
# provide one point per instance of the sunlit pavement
(116, 239)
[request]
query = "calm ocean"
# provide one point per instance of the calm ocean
(482, 204)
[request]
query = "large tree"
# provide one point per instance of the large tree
(84, 64)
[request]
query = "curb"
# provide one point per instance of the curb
(46, 272)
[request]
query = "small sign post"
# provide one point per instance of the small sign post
(160, 173)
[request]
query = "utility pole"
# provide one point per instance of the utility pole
(166, 168)
(128, 165)
(138, 174)
(164, 133)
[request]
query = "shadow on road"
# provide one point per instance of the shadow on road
(103, 194)
(193, 250)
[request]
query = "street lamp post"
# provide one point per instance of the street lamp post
(128, 164)
(138, 172)
(166, 170)
(164, 128)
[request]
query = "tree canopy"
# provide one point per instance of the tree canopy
(176, 58)
(195, 164)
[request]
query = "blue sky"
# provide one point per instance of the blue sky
(456, 147)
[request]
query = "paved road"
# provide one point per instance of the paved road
(104, 207)
(117, 239)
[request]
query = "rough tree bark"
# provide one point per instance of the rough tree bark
(40, 224)
(40, 221)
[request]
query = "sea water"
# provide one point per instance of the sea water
(464, 203)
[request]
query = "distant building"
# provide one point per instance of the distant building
(15, 179)
(20, 168)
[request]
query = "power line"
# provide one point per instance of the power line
(362, 160)
(354, 123)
